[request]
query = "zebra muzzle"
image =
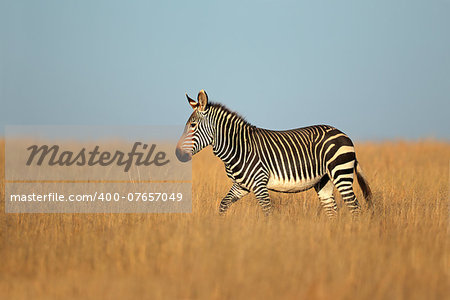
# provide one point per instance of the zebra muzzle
(182, 155)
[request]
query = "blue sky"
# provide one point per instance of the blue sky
(374, 69)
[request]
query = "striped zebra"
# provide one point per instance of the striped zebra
(287, 161)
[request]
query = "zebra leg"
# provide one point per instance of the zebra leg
(262, 194)
(324, 190)
(341, 172)
(236, 192)
(345, 188)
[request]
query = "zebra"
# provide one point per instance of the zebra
(260, 160)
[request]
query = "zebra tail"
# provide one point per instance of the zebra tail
(362, 181)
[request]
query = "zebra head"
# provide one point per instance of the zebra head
(198, 132)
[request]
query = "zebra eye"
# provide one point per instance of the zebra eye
(193, 124)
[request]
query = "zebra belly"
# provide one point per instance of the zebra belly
(291, 186)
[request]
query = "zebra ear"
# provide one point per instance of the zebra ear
(202, 99)
(192, 102)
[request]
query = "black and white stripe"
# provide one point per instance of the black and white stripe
(260, 160)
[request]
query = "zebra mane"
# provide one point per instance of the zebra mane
(222, 107)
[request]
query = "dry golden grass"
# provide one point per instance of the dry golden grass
(399, 252)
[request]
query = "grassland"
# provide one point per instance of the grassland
(401, 251)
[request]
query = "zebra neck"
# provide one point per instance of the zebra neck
(231, 138)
